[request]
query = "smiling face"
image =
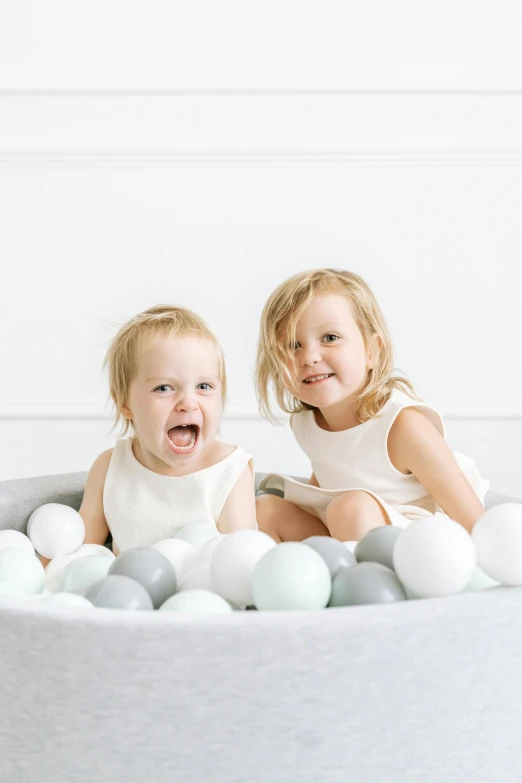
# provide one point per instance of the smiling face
(332, 361)
(175, 401)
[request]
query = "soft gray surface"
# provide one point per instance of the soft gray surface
(20, 497)
(423, 691)
(419, 691)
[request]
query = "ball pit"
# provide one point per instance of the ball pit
(200, 694)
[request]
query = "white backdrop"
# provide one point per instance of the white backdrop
(199, 156)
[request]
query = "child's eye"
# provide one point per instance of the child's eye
(208, 385)
(294, 346)
(163, 386)
(333, 336)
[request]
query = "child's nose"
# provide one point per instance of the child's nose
(187, 403)
(310, 356)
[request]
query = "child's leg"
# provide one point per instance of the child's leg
(350, 516)
(285, 521)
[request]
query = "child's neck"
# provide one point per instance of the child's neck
(337, 419)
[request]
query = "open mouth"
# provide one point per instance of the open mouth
(183, 439)
(318, 378)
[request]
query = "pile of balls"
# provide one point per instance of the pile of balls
(201, 570)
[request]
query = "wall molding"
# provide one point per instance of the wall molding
(254, 92)
(259, 157)
(495, 412)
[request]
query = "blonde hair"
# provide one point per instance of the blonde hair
(278, 332)
(127, 346)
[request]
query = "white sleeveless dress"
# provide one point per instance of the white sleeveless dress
(357, 459)
(142, 507)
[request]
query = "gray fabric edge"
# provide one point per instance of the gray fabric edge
(20, 497)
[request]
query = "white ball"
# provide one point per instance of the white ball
(68, 599)
(434, 556)
(197, 577)
(497, 536)
(181, 554)
(23, 569)
(12, 539)
(206, 551)
(56, 567)
(197, 533)
(196, 601)
(55, 529)
(233, 562)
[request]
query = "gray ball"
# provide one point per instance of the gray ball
(335, 554)
(376, 546)
(150, 569)
(366, 583)
(271, 491)
(118, 592)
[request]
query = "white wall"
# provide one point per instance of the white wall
(199, 155)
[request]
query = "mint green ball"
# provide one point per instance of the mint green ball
(291, 576)
(23, 569)
(82, 572)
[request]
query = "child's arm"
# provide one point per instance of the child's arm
(313, 481)
(239, 511)
(91, 509)
(415, 446)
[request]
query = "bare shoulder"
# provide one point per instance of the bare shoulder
(410, 425)
(98, 471)
(101, 464)
(220, 451)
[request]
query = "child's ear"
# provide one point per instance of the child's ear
(374, 350)
(127, 413)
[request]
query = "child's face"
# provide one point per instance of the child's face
(329, 344)
(177, 383)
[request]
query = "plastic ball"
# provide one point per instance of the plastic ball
(150, 568)
(55, 568)
(480, 581)
(119, 592)
(13, 539)
(10, 589)
(497, 536)
(196, 601)
(55, 529)
(233, 562)
(180, 553)
(205, 553)
(434, 556)
(197, 577)
(23, 569)
(366, 583)
(83, 571)
(291, 576)
(334, 553)
(197, 533)
(68, 599)
(377, 545)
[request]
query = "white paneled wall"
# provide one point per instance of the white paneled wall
(201, 155)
